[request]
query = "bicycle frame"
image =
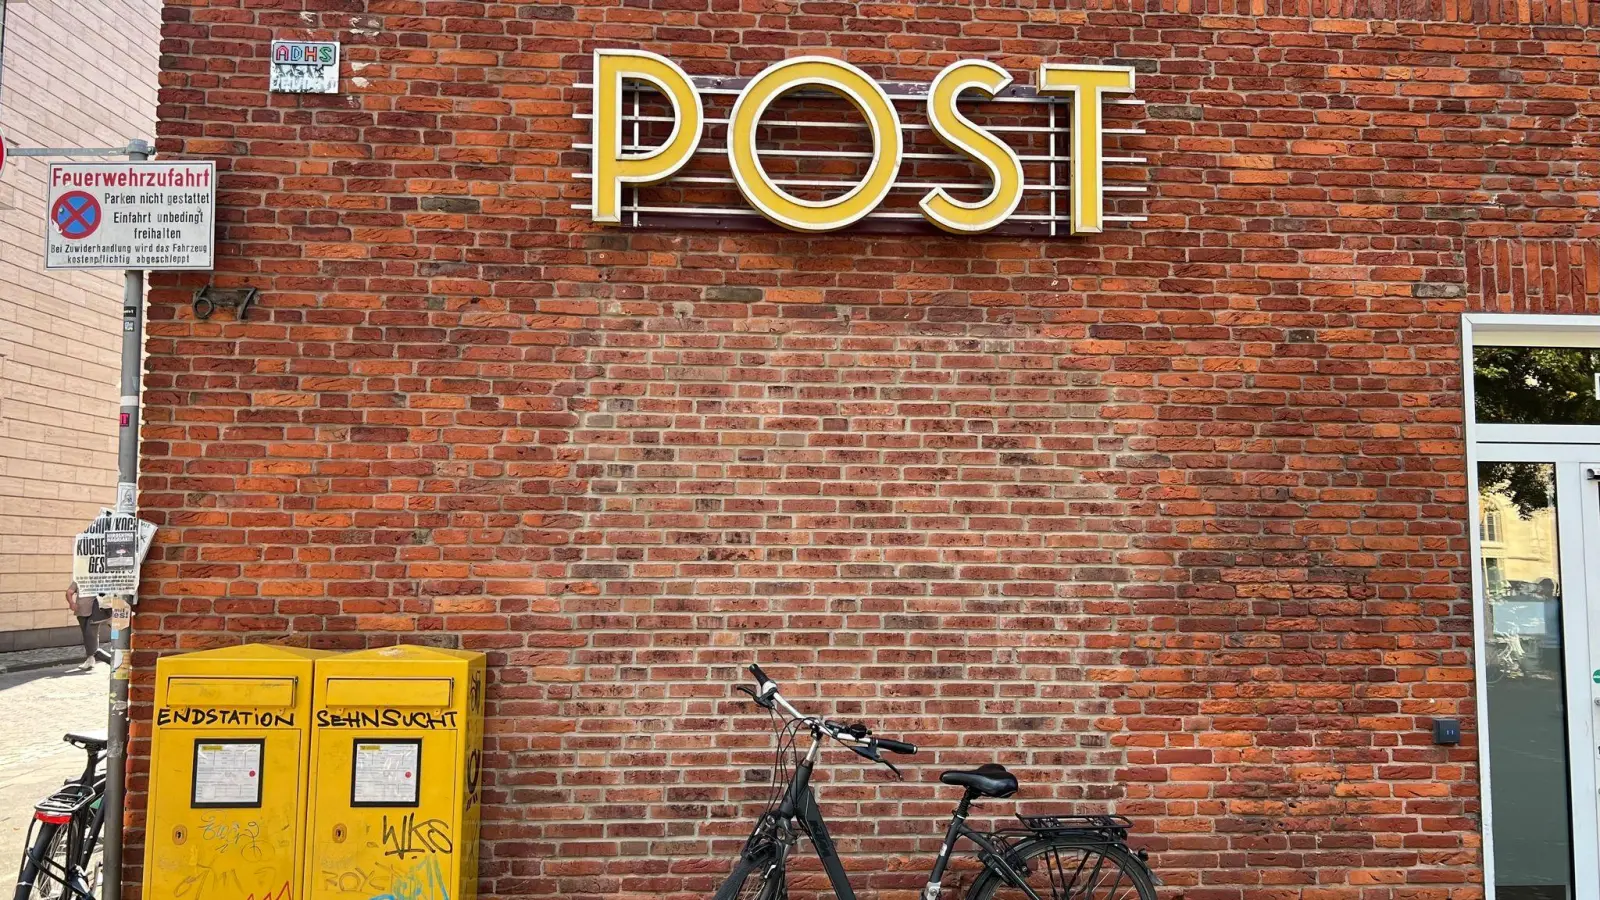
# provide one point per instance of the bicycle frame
(799, 805)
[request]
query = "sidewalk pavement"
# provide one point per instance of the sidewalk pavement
(45, 658)
(38, 707)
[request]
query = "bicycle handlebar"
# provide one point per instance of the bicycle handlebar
(768, 694)
(893, 746)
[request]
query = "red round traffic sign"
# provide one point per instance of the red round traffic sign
(76, 215)
(2, 152)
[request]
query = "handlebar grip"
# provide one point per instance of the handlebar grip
(761, 677)
(894, 746)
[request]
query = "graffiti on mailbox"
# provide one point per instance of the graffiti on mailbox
(361, 879)
(386, 717)
(231, 855)
(203, 715)
(243, 837)
(423, 881)
(411, 837)
(474, 777)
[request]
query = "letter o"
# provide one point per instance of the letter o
(849, 82)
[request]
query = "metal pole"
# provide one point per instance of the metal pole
(122, 606)
(78, 151)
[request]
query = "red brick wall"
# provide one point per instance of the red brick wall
(1170, 517)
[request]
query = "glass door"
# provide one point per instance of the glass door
(1538, 542)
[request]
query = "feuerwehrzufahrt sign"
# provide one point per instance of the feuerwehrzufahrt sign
(133, 215)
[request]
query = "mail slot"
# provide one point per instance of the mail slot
(228, 766)
(395, 775)
(230, 692)
(396, 692)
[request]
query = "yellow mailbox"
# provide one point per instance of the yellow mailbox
(228, 763)
(395, 774)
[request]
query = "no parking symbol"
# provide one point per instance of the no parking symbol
(76, 215)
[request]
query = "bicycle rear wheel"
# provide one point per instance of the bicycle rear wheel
(758, 875)
(1070, 868)
(35, 880)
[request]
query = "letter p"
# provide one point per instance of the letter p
(612, 168)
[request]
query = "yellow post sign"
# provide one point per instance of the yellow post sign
(228, 760)
(396, 774)
(612, 168)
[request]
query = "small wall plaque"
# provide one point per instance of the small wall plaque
(305, 67)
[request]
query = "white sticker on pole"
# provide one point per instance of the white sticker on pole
(125, 496)
(131, 215)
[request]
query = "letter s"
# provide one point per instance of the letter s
(960, 134)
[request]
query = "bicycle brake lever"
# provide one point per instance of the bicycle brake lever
(871, 753)
(747, 689)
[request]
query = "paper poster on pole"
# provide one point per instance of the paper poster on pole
(131, 215)
(385, 772)
(227, 773)
(106, 556)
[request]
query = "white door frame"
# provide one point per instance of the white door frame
(1577, 527)
(1575, 448)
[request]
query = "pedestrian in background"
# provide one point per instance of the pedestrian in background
(87, 608)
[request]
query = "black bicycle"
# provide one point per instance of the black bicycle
(63, 859)
(1050, 858)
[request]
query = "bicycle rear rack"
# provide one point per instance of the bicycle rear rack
(1107, 827)
(65, 803)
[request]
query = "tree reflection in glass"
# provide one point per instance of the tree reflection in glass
(1527, 703)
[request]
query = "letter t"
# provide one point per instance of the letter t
(1086, 84)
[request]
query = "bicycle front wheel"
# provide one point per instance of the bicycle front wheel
(758, 875)
(1071, 868)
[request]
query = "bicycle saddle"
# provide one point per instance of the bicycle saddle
(88, 740)
(987, 780)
